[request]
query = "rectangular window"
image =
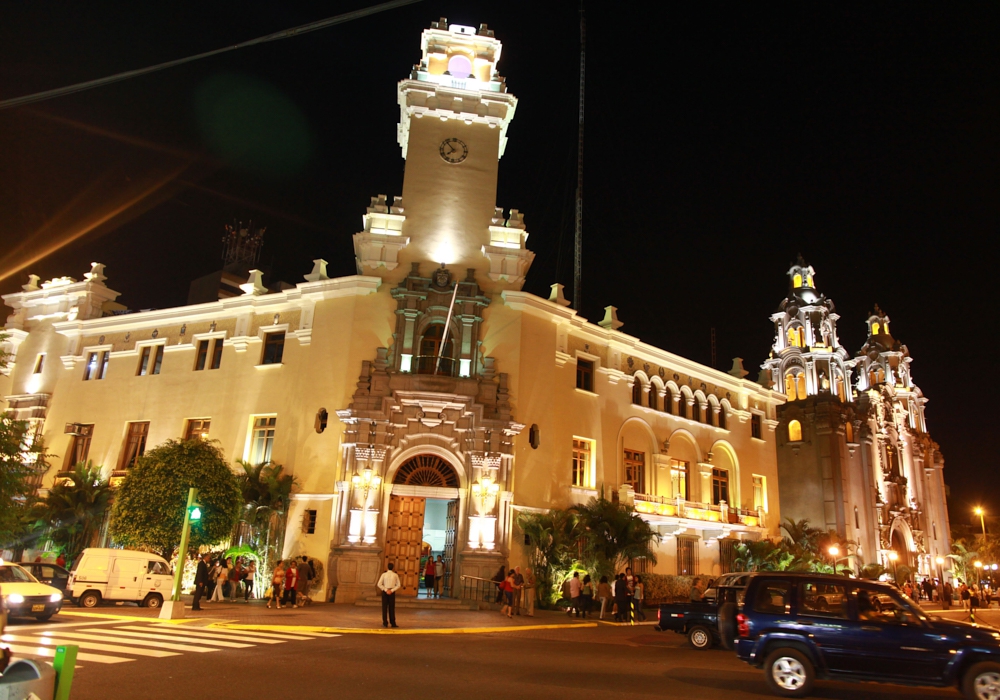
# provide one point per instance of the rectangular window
(583, 453)
(217, 354)
(635, 470)
(309, 522)
(262, 439)
(102, 365)
(39, 363)
(197, 429)
(135, 444)
(157, 359)
(79, 446)
(773, 597)
(202, 359)
(90, 370)
(756, 426)
(759, 493)
(584, 374)
(720, 486)
(274, 348)
(687, 559)
(143, 362)
(678, 479)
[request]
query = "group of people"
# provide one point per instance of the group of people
(434, 576)
(221, 578)
(624, 595)
(515, 590)
(290, 583)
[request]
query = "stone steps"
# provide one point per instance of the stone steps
(420, 603)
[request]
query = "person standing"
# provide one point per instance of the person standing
(509, 588)
(277, 580)
(518, 589)
(586, 595)
(61, 560)
(248, 577)
(221, 576)
(439, 572)
(235, 580)
(949, 595)
(529, 591)
(695, 595)
(638, 595)
(622, 599)
(200, 580)
(429, 574)
(604, 594)
(304, 581)
(389, 583)
(575, 588)
(498, 579)
(291, 583)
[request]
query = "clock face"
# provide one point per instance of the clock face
(453, 150)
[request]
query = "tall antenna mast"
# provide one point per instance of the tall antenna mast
(578, 235)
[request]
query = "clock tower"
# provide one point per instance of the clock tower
(454, 113)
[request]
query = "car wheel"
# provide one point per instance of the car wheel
(153, 600)
(727, 625)
(700, 637)
(44, 618)
(90, 599)
(789, 673)
(982, 681)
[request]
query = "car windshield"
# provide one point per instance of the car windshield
(15, 574)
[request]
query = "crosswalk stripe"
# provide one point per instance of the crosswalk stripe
(199, 632)
(91, 645)
(70, 636)
(284, 636)
(83, 656)
(169, 638)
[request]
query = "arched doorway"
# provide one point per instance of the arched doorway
(422, 523)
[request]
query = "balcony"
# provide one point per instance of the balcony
(432, 364)
(707, 512)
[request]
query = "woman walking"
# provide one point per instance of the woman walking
(291, 583)
(604, 594)
(277, 580)
(221, 577)
(586, 595)
(637, 597)
(508, 586)
(248, 574)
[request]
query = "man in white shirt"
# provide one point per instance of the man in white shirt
(389, 583)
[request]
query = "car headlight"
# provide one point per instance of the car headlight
(55, 597)
(15, 598)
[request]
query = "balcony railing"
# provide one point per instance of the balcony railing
(427, 364)
(708, 512)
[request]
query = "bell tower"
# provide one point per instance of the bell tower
(454, 111)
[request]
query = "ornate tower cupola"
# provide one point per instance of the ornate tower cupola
(807, 358)
(883, 360)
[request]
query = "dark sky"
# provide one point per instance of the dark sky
(722, 140)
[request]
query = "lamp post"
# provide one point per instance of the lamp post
(834, 552)
(893, 557)
(365, 482)
(979, 572)
(982, 519)
(940, 562)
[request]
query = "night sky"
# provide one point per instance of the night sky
(722, 141)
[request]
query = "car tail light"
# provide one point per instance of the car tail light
(742, 627)
(658, 614)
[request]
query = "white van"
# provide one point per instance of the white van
(119, 574)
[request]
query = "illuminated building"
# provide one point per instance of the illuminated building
(854, 455)
(428, 387)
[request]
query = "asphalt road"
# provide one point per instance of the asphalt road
(193, 663)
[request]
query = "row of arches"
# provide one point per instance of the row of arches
(679, 401)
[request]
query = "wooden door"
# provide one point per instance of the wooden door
(450, 525)
(403, 539)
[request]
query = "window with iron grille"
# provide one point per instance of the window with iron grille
(687, 559)
(635, 470)
(309, 522)
(135, 444)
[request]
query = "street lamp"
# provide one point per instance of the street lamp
(982, 520)
(485, 489)
(834, 552)
(366, 481)
(979, 572)
(940, 562)
(893, 557)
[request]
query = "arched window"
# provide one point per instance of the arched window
(790, 386)
(880, 376)
(668, 401)
(637, 392)
(796, 281)
(875, 328)
(794, 431)
(800, 385)
(654, 395)
(683, 409)
(849, 431)
(841, 391)
(802, 337)
(809, 281)
(722, 417)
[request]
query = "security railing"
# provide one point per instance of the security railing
(709, 512)
(481, 590)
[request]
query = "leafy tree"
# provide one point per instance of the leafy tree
(22, 460)
(763, 555)
(73, 510)
(149, 504)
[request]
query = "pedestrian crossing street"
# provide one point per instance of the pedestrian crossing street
(115, 642)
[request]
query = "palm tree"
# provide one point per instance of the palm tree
(266, 491)
(73, 511)
(962, 558)
(615, 535)
(552, 542)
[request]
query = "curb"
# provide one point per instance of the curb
(425, 630)
(130, 618)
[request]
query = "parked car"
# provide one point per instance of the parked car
(49, 574)
(119, 575)
(700, 621)
(799, 627)
(24, 596)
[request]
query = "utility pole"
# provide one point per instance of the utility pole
(174, 608)
(578, 234)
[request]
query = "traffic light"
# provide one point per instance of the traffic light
(195, 513)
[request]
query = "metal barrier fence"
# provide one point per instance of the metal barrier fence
(481, 590)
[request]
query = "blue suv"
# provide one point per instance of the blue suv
(799, 627)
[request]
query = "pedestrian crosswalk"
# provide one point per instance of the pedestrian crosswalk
(112, 642)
